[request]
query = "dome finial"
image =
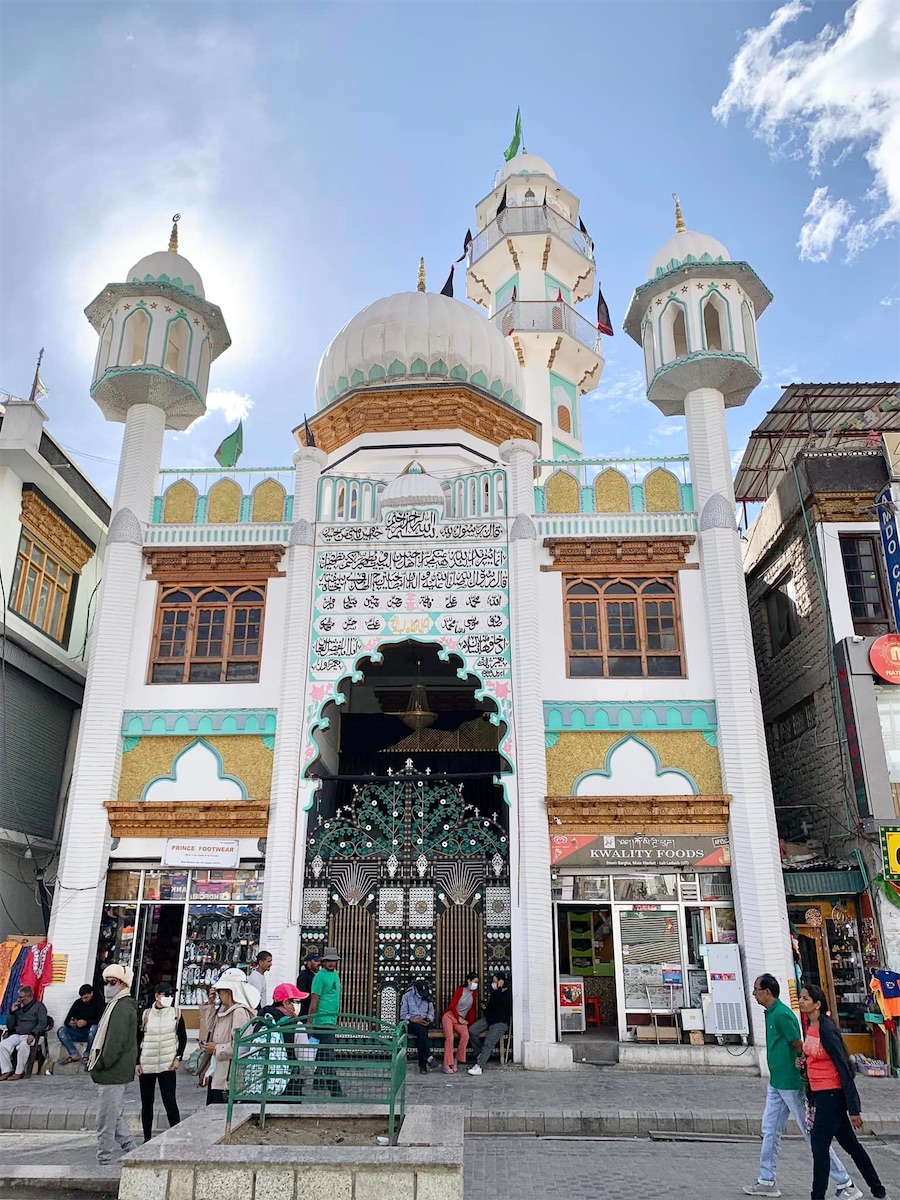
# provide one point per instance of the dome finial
(173, 237)
(420, 285)
(680, 226)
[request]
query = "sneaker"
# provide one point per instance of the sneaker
(762, 1189)
(476, 1070)
(423, 1070)
(848, 1192)
(129, 1147)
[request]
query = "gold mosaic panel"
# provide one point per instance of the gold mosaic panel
(224, 502)
(246, 758)
(611, 492)
(179, 503)
(575, 753)
(268, 501)
(661, 493)
(563, 493)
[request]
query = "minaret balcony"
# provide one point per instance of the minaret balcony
(530, 235)
(562, 337)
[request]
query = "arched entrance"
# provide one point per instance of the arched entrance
(407, 858)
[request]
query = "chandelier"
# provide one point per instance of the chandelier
(417, 715)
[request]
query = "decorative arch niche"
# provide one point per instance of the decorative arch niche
(563, 493)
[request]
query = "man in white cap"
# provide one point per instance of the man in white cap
(113, 1060)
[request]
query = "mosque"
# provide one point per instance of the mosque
(449, 692)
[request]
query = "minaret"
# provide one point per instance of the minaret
(530, 263)
(696, 319)
(158, 336)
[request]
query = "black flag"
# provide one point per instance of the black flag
(581, 226)
(502, 207)
(467, 242)
(310, 440)
(603, 321)
(447, 289)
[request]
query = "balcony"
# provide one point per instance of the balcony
(548, 316)
(529, 218)
(239, 506)
(532, 235)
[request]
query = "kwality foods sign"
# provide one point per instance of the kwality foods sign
(633, 850)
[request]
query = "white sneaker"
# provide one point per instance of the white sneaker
(762, 1189)
(476, 1070)
(848, 1192)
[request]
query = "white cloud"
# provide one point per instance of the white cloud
(836, 93)
(623, 391)
(665, 429)
(826, 220)
(233, 405)
(890, 301)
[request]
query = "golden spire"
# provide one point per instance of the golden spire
(680, 226)
(420, 286)
(173, 237)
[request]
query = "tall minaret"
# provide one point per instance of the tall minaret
(530, 263)
(696, 320)
(158, 336)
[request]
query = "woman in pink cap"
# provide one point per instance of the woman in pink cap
(285, 1005)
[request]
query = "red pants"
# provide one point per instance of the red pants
(451, 1027)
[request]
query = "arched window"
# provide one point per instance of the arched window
(679, 333)
(354, 501)
(563, 418)
(623, 628)
(203, 373)
(715, 324)
(341, 502)
(135, 334)
(749, 331)
(178, 340)
(486, 497)
(208, 635)
(103, 351)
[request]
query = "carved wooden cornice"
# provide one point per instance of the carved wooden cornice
(60, 538)
(621, 555)
(401, 409)
(844, 506)
(188, 818)
(200, 565)
(638, 814)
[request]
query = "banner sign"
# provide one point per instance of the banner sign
(890, 851)
(201, 852)
(890, 541)
(884, 657)
(614, 850)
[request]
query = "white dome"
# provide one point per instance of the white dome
(165, 267)
(414, 488)
(418, 336)
(526, 164)
(687, 247)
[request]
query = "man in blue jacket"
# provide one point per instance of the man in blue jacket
(417, 1009)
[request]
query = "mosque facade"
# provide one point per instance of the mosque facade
(449, 692)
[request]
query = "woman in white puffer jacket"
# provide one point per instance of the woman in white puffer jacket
(162, 1038)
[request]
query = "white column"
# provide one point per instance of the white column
(534, 1017)
(287, 824)
(755, 858)
(81, 882)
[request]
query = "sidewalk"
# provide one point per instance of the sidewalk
(589, 1100)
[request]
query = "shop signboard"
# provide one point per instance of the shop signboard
(635, 850)
(890, 541)
(890, 851)
(884, 656)
(201, 852)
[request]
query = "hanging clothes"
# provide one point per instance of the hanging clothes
(9, 952)
(38, 972)
(885, 986)
(14, 981)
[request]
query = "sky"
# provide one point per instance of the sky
(316, 151)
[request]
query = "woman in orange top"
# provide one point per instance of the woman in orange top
(831, 1090)
(459, 1015)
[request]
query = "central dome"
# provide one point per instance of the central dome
(416, 337)
(164, 266)
(687, 247)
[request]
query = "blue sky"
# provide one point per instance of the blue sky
(317, 150)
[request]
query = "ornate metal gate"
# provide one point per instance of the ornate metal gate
(408, 880)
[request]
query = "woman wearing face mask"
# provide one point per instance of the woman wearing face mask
(238, 1002)
(161, 1040)
(833, 1094)
(286, 1001)
(459, 1015)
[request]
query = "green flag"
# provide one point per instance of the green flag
(513, 148)
(231, 448)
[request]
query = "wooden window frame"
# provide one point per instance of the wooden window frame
(867, 626)
(190, 658)
(24, 563)
(643, 652)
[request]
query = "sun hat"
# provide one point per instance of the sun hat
(330, 954)
(122, 973)
(288, 991)
(235, 981)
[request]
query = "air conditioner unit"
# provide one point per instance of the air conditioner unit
(726, 1011)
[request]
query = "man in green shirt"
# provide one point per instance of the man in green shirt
(324, 1006)
(785, 1095)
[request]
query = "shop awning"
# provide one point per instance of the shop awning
(823, 883)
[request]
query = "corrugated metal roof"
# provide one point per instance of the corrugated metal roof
(823, 883)
(814, 416)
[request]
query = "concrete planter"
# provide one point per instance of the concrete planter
(191, 1161)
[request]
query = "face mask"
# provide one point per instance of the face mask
(164, 1001)
(494, 986)
(290, 1007)
(473, 987)
(110, 991)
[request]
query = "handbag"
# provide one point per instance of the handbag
(192, 1063)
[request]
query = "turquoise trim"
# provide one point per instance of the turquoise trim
(138, 308)
(269, 741)
(698, 354)
(550, 740)
(342, 384)
(289, 508)
(497, 387)
(216, 721)
(509, 397)
(563, 716)
(220, 769)
(357, 378)
(459, 372)
(177, 282)
(688, 260)
(503, 295)
(711, 737)
(179, 316)
(201, 510)
(687, 329)
(587, 499)
(376, 373)
(743, 267)
(114, 372)
(156, 515)
(396, 370)
(606, 770)
(540, 500)
(637, 498)
(687, 497)
(245, 508)
(439, 367)
(479, 379)
(713, 287)
(572, 399)
(559, 286)
(418, 367)
(129, 743)
(560, 450)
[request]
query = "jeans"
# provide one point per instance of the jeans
(493, 1035)
(111, 1124)
(450, 1027)
(147, 1081)
(832, 1121)
(423, 1045)
(70, 1034)
(326, 1075)
(782, 1103)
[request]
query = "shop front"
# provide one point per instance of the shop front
(635, 916)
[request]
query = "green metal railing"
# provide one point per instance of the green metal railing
(361, 1060)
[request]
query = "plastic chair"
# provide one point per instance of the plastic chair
(592, 1011)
